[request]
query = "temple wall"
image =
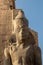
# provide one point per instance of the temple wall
(5, 30)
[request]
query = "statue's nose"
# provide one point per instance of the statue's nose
(22, 31)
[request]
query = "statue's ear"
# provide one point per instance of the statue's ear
(12, 38)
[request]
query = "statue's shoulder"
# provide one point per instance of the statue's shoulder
(37, 49)
(34, 48)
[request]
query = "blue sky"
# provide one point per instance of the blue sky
(34, 12)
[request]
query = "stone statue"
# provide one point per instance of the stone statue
(23, 51)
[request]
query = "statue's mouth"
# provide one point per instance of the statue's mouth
(24, 36)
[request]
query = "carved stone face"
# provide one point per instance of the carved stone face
(21, 30)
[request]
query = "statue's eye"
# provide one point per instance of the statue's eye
(18, 29)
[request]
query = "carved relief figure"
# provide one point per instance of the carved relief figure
(23, 51)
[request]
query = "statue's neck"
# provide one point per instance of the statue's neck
(23, 43)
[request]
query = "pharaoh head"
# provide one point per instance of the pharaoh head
(21, 27)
